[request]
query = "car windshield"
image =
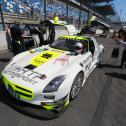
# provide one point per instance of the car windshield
(68, 44)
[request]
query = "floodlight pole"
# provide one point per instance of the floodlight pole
(89, 12)
(79, 15)
(45, 15)
(88, 17)
(67, 7)
(2, 17)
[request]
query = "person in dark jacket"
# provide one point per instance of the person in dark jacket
(122, 41)
(41, 30)
(51, 34)
(26, 29)
(51, 27)
(16, 35)
(85, 30)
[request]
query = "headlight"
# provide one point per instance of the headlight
(54, 84)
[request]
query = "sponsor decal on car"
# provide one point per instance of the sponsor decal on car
(45, 57)
(32, 51)
(37, 50)
(40, 49)
(62, 60)
(24, 74)
(56, 50)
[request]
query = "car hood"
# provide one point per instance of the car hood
(49, 61)
(39, 66)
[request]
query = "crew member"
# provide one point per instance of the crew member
(122, 41)
(26, 29)
(85, 30)
(16, 34)
(8, 36)
(51, 27)
(41, 30)
(51, 33)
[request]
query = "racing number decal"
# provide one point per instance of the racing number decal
(47, 56)
(44, 57)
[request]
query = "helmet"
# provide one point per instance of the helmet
(78, 48)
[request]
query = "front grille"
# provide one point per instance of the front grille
(23, 89)
(23, 92)
(20, 93)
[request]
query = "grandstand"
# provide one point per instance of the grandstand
(74, 11)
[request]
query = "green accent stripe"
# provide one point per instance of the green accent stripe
(49, 107)
(67, 103)
(74, 37)
(53, 107)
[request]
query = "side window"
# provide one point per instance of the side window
(91, 46)
(85, 46)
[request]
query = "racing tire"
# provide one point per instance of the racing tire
(77, 85)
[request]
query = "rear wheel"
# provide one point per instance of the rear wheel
(77, 84)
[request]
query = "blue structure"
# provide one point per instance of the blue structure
(36, 7)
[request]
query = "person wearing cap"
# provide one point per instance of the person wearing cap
(122, 41)
(16, 34)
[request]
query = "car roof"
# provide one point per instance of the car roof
(63, 23)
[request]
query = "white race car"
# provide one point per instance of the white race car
(52, 75)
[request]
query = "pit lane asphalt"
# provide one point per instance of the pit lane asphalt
(101, 102)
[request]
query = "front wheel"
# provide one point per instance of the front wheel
(77, 84)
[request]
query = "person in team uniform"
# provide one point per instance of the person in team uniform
(16, 35)
(122, 41)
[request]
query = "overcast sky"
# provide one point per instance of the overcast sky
(120, 6)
